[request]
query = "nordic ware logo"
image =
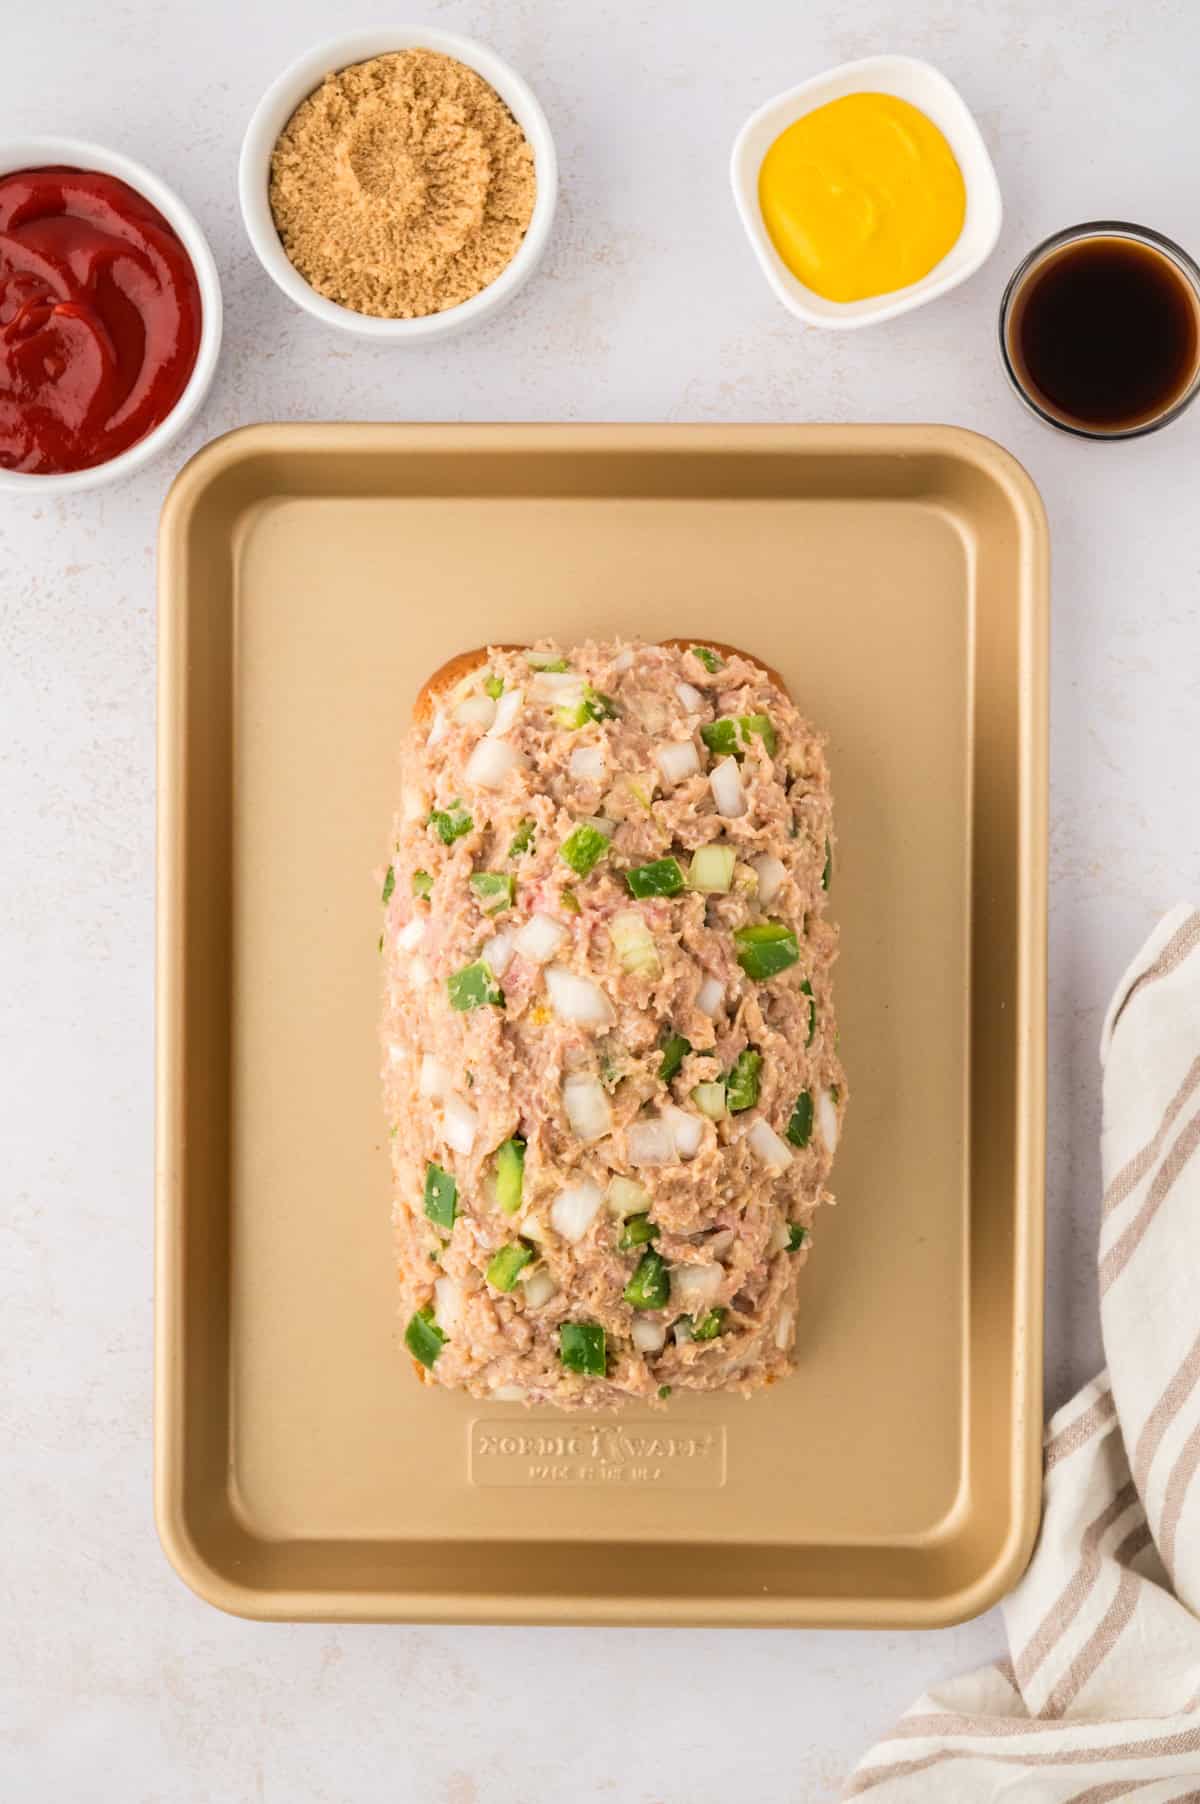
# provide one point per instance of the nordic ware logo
(640, 1456)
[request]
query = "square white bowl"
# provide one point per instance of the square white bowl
(923, 86)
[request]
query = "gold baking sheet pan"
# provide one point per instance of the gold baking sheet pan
(311, 579)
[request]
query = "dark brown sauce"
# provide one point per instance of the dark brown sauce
(1105, 333)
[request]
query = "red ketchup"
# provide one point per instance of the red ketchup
(99, 319)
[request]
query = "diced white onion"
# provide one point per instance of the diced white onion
(476, 711)
(651, 1143)
(410, 936)
(710, 996)
(507, 709)
(539, 1287)
(460, 1124)
(626, 1197)
(771, 873)
(577, 999)
(634, 942)
(623, 659)
(586, 764)
(540, 938)
(490, 763)
(648, 1336)
(767, 1146)
(509, 1393)
(608, 828)
(691, 698)
(779, 1237)
(725, 781)
(419, 973)
(677, 761)
(449, 1304)
(710, 1100)
(695, 1286)
(682, 1331)
(574, 1210)
(711, 870)
(688, 1130)
(434, 1079)
(414, 805)
(533, 1228)
(562, 687)
(587, 1107)
(438, 729)
(497, 952)
(783, 1329)
(538, 658)
(827, 1119)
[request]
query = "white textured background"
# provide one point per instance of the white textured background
(115, 1683)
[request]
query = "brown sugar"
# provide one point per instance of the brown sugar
(402, 186)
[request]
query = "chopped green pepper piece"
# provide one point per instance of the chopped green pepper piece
(556, 665)
(650, 1286)
(570, 901)
(572, 714)
(709, 659)
(473, 987)
(581, 1348)
(709, 1325)
(807, 990)
(661, 878)
(450, 823)
(598, 705)
(799, 1128)
(796, 1236)
(494, 686)
(674, 1051)
(422, 883)
(583, 848)
(762, 725)
(441, 1196)
(505, 1267)
(720, 736)
(765, 949)
(423, 1338)
(727, 737)
(637, 1231)
(827, 872)
(522, 839)
(494, 889)
(510, 1175)
(389, 884)
(664, 1391)
(741, 1086)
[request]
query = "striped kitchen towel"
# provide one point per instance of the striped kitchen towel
(1100, 1699)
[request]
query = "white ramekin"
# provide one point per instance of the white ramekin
(296, 83)
(908, 78)
(41, 152)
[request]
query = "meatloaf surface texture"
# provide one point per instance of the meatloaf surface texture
(610, 1060)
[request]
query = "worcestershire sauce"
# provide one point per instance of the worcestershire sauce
(1104, 333)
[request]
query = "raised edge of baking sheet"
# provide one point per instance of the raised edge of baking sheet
(310, 579)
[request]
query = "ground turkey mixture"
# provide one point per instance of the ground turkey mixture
(610, 1064)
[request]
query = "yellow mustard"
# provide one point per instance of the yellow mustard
(861, 196)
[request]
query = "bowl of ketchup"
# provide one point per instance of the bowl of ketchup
(110, 316)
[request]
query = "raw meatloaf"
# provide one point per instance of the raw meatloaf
(610, 1065)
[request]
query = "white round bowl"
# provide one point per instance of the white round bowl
(297, 83)
(924, 87)
(41, 152)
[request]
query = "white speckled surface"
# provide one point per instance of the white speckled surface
(114, 1681)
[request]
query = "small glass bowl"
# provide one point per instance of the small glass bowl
(1097, 228)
